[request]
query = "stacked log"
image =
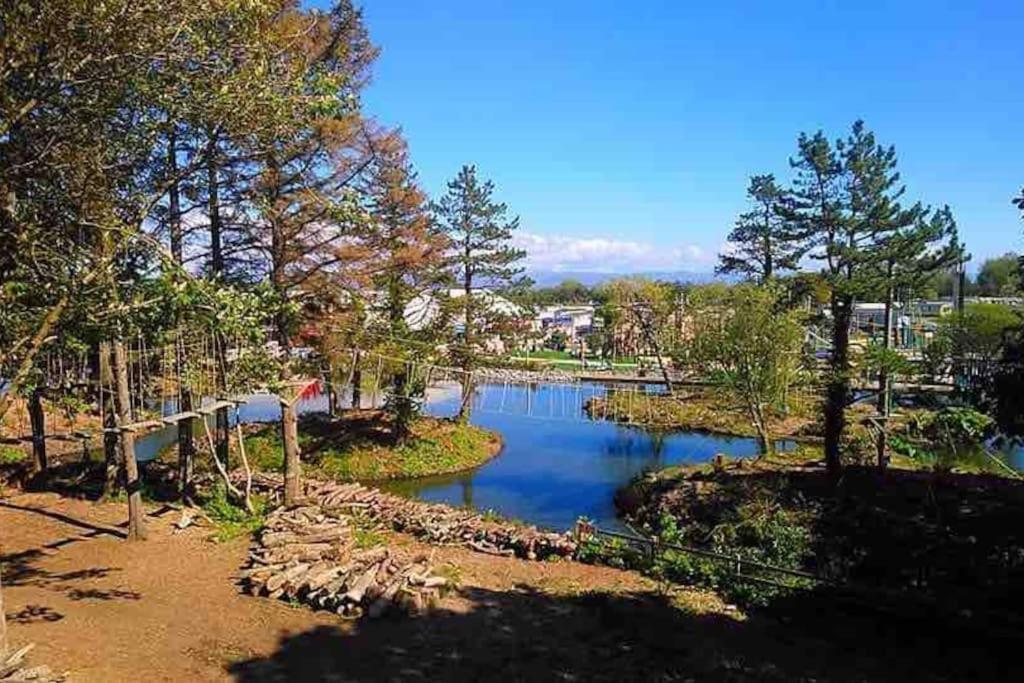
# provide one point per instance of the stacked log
(433, 522)
(12, 668)
(443, 524)
(310, 554)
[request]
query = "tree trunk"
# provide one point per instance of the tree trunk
(292, 462)
(765, 443)
(174, 198)
(111, 461)
(838, 388)
(332, 398)
(186, 447)
(222, 431)
(647, 330)
(466, 406)
(357, 387)
(136, 523)
(38, 339)
(37, 418)
(403, 409)
(3, 620)
(884, 381)
(213, 209)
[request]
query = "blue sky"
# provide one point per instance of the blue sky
(623, 134)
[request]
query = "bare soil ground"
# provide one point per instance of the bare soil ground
(168, 609)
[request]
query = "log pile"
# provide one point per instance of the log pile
(12, 668)
(311, 555)
(431, 522)
(443, 524)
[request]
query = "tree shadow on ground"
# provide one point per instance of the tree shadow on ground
(526, 635)
(25, 567)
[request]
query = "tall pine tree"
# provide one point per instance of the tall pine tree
(847, 214)
(760, 244)
(482, 259)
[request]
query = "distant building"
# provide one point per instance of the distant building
(573, 322)
(867, 314)
(930, 309)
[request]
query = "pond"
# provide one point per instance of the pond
(557, 465)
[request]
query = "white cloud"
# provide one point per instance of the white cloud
(603, 254)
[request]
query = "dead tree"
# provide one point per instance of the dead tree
(643, 315)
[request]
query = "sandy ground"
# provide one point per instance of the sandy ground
(169, 609)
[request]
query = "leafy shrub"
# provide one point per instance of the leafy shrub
(11, 455)
(232, 520)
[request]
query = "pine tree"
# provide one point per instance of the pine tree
(760, 244)
(482, 258)
(406, 259)
(846, 212)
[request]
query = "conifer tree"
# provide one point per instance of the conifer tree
(760, 244)
(406, 258)
(847, 213)
(482, 259)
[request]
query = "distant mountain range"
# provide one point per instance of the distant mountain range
(549, 278)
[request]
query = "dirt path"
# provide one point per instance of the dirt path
(168, 610)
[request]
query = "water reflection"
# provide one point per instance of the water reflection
(556, 464)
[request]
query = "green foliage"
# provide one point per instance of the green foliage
(743, 337)
(760, 531)
(762, 242)
(878, 358)
(12, 455)
(948, 438)
(482, 255)
(969, 344)
(1000, 276)
(265, 450)
(368, 538)
(434, 447)
(231, 520)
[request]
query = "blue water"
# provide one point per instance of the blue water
(556, 464)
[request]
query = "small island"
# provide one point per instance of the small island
(360, 445)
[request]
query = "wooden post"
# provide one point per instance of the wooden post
(186, 447)
(3, 621)
(292, 462)
(37, 418)
(223, 432)
(357, 382)
(332, 403)
(136, 524)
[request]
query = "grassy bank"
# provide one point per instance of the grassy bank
(706, 410)
(358, 446)
(940, 538)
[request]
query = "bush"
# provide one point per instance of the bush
(761, 532)
(231, 520)
(11, 455)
